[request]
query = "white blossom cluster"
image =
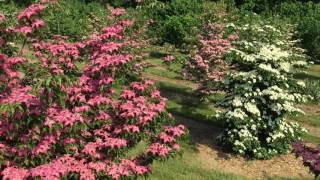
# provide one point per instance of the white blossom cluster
(259, 95)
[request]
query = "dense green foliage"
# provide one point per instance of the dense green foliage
(74, 18)
(302, 12)
(175, 22)
(309, 31)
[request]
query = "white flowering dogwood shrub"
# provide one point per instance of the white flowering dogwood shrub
(258, 94)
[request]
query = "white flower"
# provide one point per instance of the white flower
(269, 68)
(231, 25)
(237, 101)
(252, 108)
(236, 113)
(285, 66)
(301, 83)
(268, 139)
(272, 53)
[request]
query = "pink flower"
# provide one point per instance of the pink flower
(38, 23)
(176, 147)
(137, 86)
(61, 167)
(24, 30)
(63, 117)
(98, 100)
(165, 138)
(91, 149)
(79, 125)
(115, 143)
(177, 131)
(2, 18)
(155, 94)
(117, 11)
(32, 10)
(157, 149)
(127, 94)
(111, 47)
(103, 116)
(127, 23)
(131, 129)
(45, 144)
(97, 166)
(168, 58)
(22, 95)
(81, 109)
(12, 173)
(207, 62)
(126, 168)
(69, 141)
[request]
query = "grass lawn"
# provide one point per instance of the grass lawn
(184, 102)
(187, 167)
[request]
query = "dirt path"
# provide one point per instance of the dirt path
(212, 157)
(310, 109)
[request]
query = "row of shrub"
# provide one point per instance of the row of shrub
(304, 13)
(178, 21)
(73, 18)
(175, 21)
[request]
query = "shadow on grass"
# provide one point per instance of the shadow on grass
(303, 75)
(198, 117)
(157, 54)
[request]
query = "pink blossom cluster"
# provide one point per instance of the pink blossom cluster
(2, 18)
(117, 11)
(81, 125)
(3, 30)
(127, 168)
(45, 144)
(21, 95)
(168, 59)
(207, 63)
(51, 171)
(29, 19)
(64, 117)
(58, 56)
(7, 66)
(13, 92)
(135, 105)
(167, 141)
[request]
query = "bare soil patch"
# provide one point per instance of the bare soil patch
(213, 157)
(310, 109)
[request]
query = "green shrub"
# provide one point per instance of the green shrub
(312, 89)
(176, 22)
(179, 30)
(73, 18)
(182, 7)
(10, 10)
(309, 32)
(289, 7)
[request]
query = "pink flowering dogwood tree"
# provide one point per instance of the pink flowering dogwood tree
(207, 65)
(69, 113)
